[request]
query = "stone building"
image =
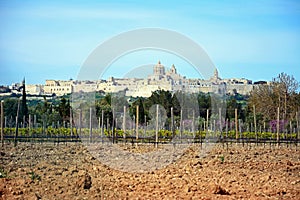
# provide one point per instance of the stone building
(58, 87)
(34, 89)
(161, 79)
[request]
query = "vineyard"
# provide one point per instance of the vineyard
(62, 135)
(232, 161)
(238, 147)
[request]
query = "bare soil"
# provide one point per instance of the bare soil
(68, 171)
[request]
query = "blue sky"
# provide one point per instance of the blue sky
(51, 39)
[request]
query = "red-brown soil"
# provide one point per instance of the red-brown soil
(68, 171)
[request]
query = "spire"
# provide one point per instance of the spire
(216, 73)
(173, 69)
(159, 62)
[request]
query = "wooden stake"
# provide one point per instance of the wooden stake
(2, 116)
(71, 121)
(90, 124)
(204, 127)
(107, 125)
(113, 126)
(137, 123)
(298, 131)
(181, 124)
(240, 127)
(156, 127)
(236, 124)
(207, 115)
(124, 122)
(193, 124)
(254, 115)
(220, 121)
(99, 123)
(29, 124)
(17, 124)
(102, 123)
(291, 129)
(80, 121)
(172, 122)
(278, 125)
(145, 125)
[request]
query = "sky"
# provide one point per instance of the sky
(42, 40)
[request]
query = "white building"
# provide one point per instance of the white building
(58, 87)
(34, 89)
(161, 79)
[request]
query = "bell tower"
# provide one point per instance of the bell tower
(173, 69)
(216, 74)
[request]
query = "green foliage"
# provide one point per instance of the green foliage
(165, 133)
(281, 92)
(104, 104)
(10, 108)
(230, 134)
(119, 133)
(64, 109)
(34, 176)
(201, 134)
(132, 110)
(233, 104)
(222, 158)
(3, 173)
(164, 98)
(39, 131)
(204, 102)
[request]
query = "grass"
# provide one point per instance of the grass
(222, 158)
(3, 174)
(34, 176)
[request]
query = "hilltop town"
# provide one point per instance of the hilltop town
(161, 79)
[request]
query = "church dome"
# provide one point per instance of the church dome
(159, 69)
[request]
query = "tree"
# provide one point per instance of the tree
(139, 102)
(204, 102)
(280, 92)
(176, 106)
(167, 100)
(287, 86)
(162, 97)
(10, 110)
(233, 104)
(24, 108)
(105, 104)
(64, 110)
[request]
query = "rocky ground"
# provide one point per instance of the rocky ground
(69, 171)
